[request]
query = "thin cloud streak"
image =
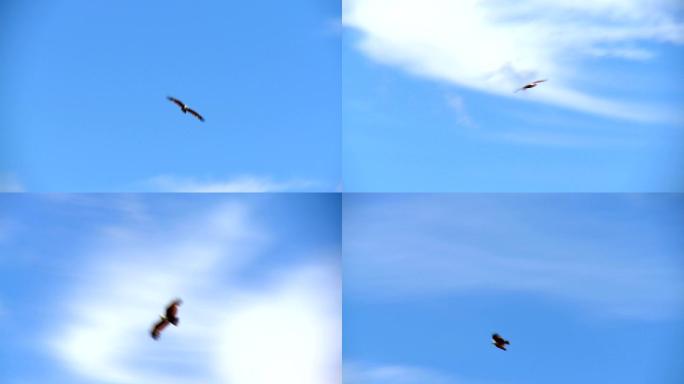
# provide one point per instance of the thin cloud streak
(518, 42)
(246, 184)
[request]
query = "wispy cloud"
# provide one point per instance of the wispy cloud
(230, 329)
(458, 105)
(239, 184)
(9, 183)
(496, 45)
(434, 245)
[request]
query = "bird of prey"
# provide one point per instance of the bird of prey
(530, 85)
(499, 341)
(171, 312)
(185, 108)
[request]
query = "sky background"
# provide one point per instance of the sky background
(84, 277)
(587, 288)
(428, 102)
(85, 83)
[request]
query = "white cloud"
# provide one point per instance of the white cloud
(496, 45)
(258, 349)
(228, 328)
(9, 183)
(239, 184)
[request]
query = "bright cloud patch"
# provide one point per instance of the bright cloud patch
(497, 45)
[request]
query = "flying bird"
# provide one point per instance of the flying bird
(171, 317)
(530, 85)
(499, 341)
(185, 108)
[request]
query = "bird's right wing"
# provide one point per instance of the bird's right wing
(197, 115)
(172, 310)
(497, 338)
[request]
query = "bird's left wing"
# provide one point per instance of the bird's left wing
(176, 101)
(156, 330)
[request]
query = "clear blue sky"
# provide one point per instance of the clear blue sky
(588, 288)
(83, 277)
(428, 99)
(85, 83)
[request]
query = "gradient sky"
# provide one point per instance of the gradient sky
(428, 99)
(588, 288)
(83, 278)
(85, 83)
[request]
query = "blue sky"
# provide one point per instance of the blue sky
(428, 102)
(588, 288)
(85, 83)
(83, 277)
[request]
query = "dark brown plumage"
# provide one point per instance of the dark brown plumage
(499, 341)
(530, 85)
(171, 317)
(185, 108)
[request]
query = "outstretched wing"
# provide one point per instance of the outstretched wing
(156, 330)
(176, 101)
(197, 115)
(498, 339)
(538, 81)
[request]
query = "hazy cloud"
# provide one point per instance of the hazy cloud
(434, 245)
(9, 183)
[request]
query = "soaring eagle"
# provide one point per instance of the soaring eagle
(170, 317)
(530, 85)
(499, 341)
(185, 108)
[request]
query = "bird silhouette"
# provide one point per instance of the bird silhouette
(499, 341)
(171, 317)
(185, 108)
(530, 85)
